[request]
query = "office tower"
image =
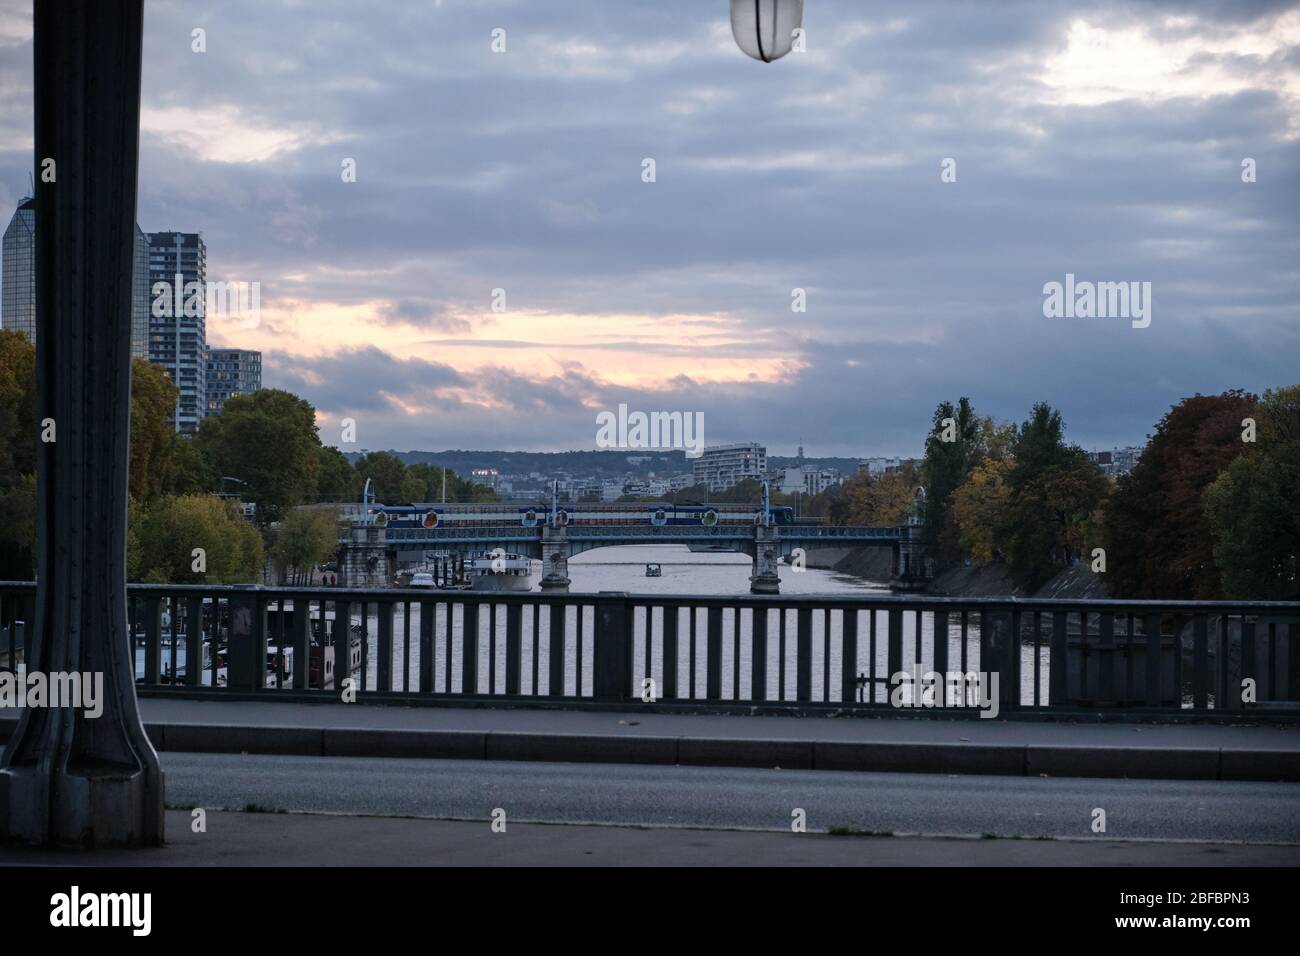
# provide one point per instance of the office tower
(178, 273)
(18, 280)
(18, 275)
(231, 372)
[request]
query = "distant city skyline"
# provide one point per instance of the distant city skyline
(1102, 140)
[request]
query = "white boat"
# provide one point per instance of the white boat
(500, 571)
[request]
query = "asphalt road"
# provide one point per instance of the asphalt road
(1209, 811)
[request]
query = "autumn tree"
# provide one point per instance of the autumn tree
(875, 501)
(979, 508)
(1159, 542)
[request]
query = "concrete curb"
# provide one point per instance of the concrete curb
(1017, 760)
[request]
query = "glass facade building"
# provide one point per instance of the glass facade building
(18, 280)
(232, 372)
(178, 320)
(18, 272)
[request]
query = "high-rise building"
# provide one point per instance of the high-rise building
(18, 291)
(721, 466)
(231, 372)
(18, 280)
(178, 270)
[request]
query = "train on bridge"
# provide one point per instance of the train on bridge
(582, 515)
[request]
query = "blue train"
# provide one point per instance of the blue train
(459, 516)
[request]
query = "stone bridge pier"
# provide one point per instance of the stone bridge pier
(767, 559)
(555, 559)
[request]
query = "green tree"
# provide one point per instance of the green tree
(153, 437)
(386, 471)
(1253, 507)
(951, 449)
(1157, 537)
(268, 440)
(18, 529)
(302, 539)
(1054, 493)
(336, 479)
(172, 527)
(18, 432)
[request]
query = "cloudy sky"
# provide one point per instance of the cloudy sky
(1100, 139)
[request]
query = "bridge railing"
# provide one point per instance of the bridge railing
(779, 653)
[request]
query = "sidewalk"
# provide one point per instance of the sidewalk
(311, 840)
(887, 744)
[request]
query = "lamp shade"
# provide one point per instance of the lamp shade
(764, 29)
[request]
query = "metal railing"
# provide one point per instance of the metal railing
(775, 653)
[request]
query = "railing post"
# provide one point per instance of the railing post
(246, 657)
(1058, 661)
(384, 672)
(301, 641)
(612, 649)
(803, 655)
(849, 656)
(713, 664)
(670, 649)
(514, 646)
(427, 613)
(152, 643)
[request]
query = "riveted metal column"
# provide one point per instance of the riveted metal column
(69, 778)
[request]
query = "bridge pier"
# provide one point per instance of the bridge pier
(911, 569)
(767, 559)
(555, 559)
(365, 559)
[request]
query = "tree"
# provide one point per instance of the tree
(336, 479)
(18, 529)
(304, 538)
(172, 527)
(1253, 507)
(1053, 493)
(18, 432)
(268, 440)
(879, 501)
(951, 448)
(1159, 542)
(979, 509)
(386, 471)
(153, 437)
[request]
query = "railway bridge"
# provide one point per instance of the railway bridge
(381, 538)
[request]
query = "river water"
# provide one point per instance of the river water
(685, 573)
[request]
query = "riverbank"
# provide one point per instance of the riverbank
(874, 564)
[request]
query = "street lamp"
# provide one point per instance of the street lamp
(765, 29)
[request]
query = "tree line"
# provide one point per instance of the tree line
(263, 449)
(1210, 511)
